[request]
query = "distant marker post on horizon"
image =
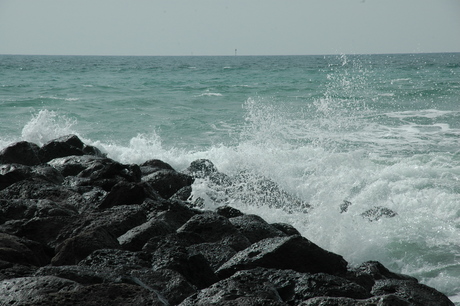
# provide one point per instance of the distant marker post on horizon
(236, 50)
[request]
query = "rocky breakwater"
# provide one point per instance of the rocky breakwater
(78, 228)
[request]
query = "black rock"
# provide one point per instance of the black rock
(294, 252)
(194, 267)
(169, 283)
(10, 270)
(286, 286)
(255, 228)
(182, 239)
(384, 300)
(44, 230)
(22, 152)
(66, 146)
(344, 206)
(124, 193)
(413, 292)
(377, 213)
(168, 182)
(286, 228)
(182, 194)
(154, 165)
(243, 286)
(21, 251)
(368, 272)
(40, 189)
(114, 294)
(215, 253)
(116, 220)
(201, 168)
(121, 262)
(12, 173)
(228, 211)
(137, 237)
(71, 251)
(216, 228)
(32, 290)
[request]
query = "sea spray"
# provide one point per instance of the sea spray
(47, 125)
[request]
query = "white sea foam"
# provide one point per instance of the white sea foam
(47, 125)
(210, 94)
(427, 113)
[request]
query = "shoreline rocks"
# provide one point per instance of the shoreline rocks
(77, 228)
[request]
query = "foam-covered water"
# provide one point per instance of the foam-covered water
(375, 131)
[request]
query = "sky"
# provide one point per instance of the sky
(218, 27)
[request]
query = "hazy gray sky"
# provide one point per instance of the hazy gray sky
(218, 27)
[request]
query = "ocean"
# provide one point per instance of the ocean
(344, 133)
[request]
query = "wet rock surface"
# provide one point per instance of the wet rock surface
(77, 228)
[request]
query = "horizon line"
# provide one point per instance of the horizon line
(228, 55)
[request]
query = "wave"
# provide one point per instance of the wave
(288, 150)
(210, 94)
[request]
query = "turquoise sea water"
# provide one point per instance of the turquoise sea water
(374, 130)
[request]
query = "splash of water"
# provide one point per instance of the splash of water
(47, 125)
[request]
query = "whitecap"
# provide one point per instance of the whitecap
(211, 94)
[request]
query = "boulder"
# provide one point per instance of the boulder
(255, 228)
(35, 188)
(286, 228)
(85, 275)
(31, 290)
(194, 267)
(21, 251)
(411, 291)
(116, 220)
(121, 262)
(294, 252)
(344, 206)
(28, 209)
(169, 283)
(66, 146)
(73, 165)
(73, 250)
(168, 182)
(22, 152)
(120, 294)
(182, 194)
(215, 253)
(183, 239)
(236, 289)
(285, 286)
(10, 270)
(154, 165)
(368, 272)
(201, 168)
(228, 211)
(123, 193)
(135, 238)
(216, 228)
(41, 229)
(378, 212)
(385, 300)
(106, 173)
(47, 173)
(12, 173)
(254, 188)
(175, 216)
